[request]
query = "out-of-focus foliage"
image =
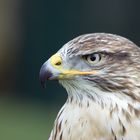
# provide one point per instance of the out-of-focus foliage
(30, 120)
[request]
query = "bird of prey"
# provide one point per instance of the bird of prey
(101, 74)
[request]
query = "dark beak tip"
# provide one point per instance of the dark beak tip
(43, 84)
(42, 81)
(42, 78)
(44, 75)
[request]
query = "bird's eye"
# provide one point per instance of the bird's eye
(92, 58)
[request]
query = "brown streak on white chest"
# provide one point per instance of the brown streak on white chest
(86, 122)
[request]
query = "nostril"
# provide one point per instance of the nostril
(56, 60)
(58, 63)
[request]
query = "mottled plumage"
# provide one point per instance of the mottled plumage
(101, 73)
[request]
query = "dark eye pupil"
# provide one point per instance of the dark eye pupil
(92, 58)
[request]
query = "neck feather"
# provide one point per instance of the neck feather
(84, 93)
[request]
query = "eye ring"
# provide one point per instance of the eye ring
(92, 58)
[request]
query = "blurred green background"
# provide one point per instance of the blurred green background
(30, 32)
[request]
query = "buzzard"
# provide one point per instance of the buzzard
(101, 74)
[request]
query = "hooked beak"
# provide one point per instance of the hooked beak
(50, 69)
(53, 70)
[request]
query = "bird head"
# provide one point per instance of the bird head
(96, 63)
